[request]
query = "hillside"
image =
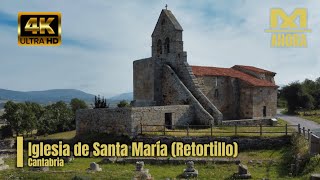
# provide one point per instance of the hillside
(44, 97)
(124, 96)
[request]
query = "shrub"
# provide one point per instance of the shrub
(123, 103)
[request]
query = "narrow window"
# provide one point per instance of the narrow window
(168, 120)
(264, 111)
(159, 47)
(167, 45)
(216, 93)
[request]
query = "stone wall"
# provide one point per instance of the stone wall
(166, 29)
(175, 92)
(223, 92)
(128, 120)
(143, 82)
(264, 96)
(186, 75)
(155, 115)
(101, 120)
(246, 104)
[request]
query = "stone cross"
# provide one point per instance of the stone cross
(190, 171)
(166, 6)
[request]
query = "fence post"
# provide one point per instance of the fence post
(299, 129)
(188, 130)
(308, 134)
(211, 129)
(164, 130)
(235, 130)
(141, 128)
(260, 129)
(304, 132)
(286, 129)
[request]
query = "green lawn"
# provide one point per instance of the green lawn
(272, 164)
(266, 169)
(312, 115)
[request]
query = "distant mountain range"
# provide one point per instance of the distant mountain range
(54, 95)
(123, 96)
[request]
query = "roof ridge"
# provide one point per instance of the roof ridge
(254, 68)
(230, 72)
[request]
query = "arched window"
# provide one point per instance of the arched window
(159, 47)
(167, 45)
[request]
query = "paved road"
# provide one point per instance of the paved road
(297, 120)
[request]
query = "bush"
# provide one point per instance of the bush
(299, 154)
(123, 103)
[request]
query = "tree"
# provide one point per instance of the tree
(13, 116)
(36, 108)
(77, 104)
(57, 117)
(123, 103)
(28, 118)
(100, 102)
(297, 96)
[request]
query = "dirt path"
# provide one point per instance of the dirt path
(297, 120)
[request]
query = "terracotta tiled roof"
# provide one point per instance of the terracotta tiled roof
(229, 72)
(254, 69)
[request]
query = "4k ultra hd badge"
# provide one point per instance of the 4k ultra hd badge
(39, 28)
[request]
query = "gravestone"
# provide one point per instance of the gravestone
(2, 165)
(141, 173)
(190, 171)
(139, 165)
(94, 167)
(242, 173)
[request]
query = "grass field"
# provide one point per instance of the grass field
(271, 164)
(265, 164)
(262, 167)
(62, 135)
(312, 115)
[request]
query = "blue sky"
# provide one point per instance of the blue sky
(101, 39)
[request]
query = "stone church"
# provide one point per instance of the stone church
(169, 91)
(239, 92)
